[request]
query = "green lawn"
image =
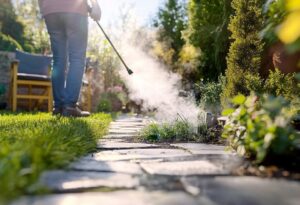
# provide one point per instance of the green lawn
(32, 143)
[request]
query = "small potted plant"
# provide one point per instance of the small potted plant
(3, 104)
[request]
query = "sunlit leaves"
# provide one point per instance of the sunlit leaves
(289, 31)
(239, 99)
(261, 128)
(228, 112)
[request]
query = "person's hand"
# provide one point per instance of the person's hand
(95, 10)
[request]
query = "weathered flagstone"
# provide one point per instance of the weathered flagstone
(185, 168)
(98, 166)
(244, 190)
(128, 120)
(134, 154)
(196, 148)
(119, 136)
(67, 181)
(121, 131)
(159, 175)
(127, 126)
(115, 198)
(123, 145)
(112, 140)
(126, 129)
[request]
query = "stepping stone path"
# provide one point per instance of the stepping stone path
(123, 172)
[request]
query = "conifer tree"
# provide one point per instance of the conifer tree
(244, 57)
(171, 21)
(207, 30)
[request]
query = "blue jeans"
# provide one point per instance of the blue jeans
(68, 35)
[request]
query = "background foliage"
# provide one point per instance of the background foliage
(244, 57)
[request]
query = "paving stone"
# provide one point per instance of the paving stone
(98, 166)
(114, 198)
(197, 148)
(121, 131)
(119, 136)
(112, 140)
(130, 120)
(136, 129)
(66, 181)
(127, 126)
(185, 168)
(244, 190)
(129, 154)
(123, 145)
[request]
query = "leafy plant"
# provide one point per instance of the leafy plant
(289, 31)
(275, 13)
(210, 94)
(260, 127)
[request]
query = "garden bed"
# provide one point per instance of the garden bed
(180, 131)
(32, 143)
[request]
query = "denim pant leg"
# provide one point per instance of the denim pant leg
(77, 34)
(58, 38)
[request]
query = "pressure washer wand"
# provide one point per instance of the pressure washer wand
(112, 45)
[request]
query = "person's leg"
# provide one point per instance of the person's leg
(77, 34)
(58, 38)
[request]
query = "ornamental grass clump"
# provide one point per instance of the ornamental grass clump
(260, 128)
(177, 131)
(33, 143)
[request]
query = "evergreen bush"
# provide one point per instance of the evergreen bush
(244, 57)
(7, 43)
(282, 84)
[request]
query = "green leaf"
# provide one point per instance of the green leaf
(228, 112)
(239, 99)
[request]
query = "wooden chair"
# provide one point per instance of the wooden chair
(31, 72)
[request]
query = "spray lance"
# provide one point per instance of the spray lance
(130, 72)
(112, 45)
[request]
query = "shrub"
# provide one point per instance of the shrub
(244, 57)
(104, 105)
(177, 131)
(210, 95)
(261, 128)
(109, 102)
(282, 84)
(7, 43)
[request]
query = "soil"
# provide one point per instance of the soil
(268, 171)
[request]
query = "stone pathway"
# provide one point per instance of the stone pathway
(123, 172)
